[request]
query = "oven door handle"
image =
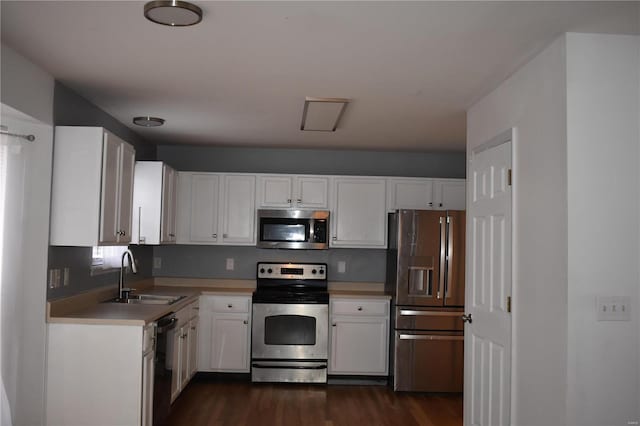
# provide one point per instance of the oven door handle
(291, 366)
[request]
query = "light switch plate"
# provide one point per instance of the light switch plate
(157, 262)
(342, 266)
(230, 264)
(614, 308)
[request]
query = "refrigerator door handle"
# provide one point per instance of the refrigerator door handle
(450, 238)
(443, 254)
(428, 337)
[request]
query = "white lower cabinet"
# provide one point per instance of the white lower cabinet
(99, 375)
(225, 334)
(184, 348)
(359, 336)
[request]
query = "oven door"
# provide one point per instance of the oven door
(289, 331)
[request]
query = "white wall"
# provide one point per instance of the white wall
(29, 90)
(575, 108)
(603, 147)
(533, 101)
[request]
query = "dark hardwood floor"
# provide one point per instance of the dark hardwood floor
(209, 402)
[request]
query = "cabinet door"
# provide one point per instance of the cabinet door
(193, 346)
(169, 199)
(410, 194)
(147, 388)
(229, 349)
(239, 216)
(204, 207)
(176, 362)
(450, 194)
(312, 192)
(275, 191)
(359, 345)
(359, 212)
(127, 169)
(185, 346)
(109, 191)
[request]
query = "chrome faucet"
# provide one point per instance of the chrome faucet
(132, 263)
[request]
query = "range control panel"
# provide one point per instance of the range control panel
(292, 271)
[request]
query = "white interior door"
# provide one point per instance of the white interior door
(487, 382)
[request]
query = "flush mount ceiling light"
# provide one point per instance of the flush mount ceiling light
(322, 114)
(173, 13)
(148, 121)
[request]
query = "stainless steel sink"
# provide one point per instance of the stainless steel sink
(149, 299)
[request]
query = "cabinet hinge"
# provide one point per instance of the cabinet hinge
(509, 304)
(509, 177)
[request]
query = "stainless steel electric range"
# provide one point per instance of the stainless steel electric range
(289, 336)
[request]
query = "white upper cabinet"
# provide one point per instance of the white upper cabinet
(216, 208)
(198, 207)
(238, 209)
(449, 194)
(154, 203)
(359, 216)
(407, 193)
(92, 188)
(284, 191)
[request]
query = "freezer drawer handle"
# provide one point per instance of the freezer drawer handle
(429, 337)
(405, 312)
(467, 318)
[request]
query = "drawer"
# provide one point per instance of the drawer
(360, 307)
(231, 304)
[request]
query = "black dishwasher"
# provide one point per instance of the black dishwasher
(162, 375)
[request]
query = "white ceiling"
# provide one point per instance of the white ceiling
(241, 76)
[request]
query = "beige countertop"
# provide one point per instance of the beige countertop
(88, 308)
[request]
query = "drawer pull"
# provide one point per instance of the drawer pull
(404, 312)
(229, 305)
(245, 322)
(359, 308)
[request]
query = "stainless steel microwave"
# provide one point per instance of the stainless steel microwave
(293, 229)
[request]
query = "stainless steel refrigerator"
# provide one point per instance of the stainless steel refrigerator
(425, 275)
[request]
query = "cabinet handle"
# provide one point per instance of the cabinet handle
(440, 204)
(245, 322)
(193, 328)
(359, 308)
(431, 203)
(333, 325)
(299, 200)
(214, 235)
(289, 200)
(229, 305)
(172, 235)
(334, 238)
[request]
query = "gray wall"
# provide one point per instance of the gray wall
(70, 109)
(364, 265)
(210, 261)
(323, 162)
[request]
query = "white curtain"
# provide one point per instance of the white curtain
(12, 176)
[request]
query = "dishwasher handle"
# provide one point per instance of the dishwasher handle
(166, 323)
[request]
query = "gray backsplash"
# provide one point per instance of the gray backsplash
(362, 265)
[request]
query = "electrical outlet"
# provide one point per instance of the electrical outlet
(157, 262)
(230, 264)
(614, 308)
(342, 266)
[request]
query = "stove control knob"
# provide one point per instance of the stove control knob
(269, 270)
(313, 271)
(262, 270)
